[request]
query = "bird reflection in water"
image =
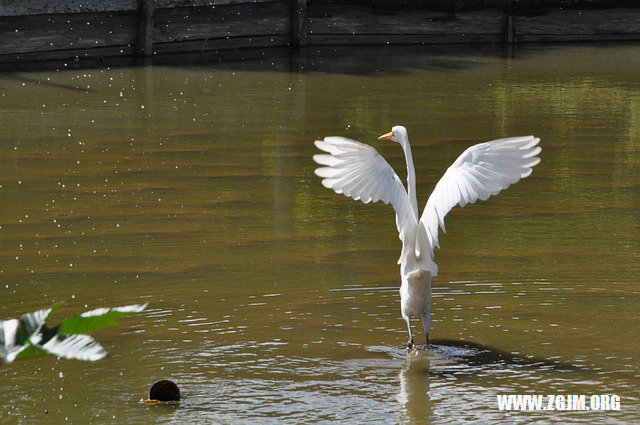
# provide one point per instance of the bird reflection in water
(447, 357)
(414, 405)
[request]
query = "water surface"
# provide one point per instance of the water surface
(272, 299)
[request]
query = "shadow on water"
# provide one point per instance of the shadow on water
(477, 354)
(346, 60)
(444, 352)
(361, 60)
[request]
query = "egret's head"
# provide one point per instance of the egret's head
(397, 134)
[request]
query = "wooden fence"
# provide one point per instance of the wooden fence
(64, 29)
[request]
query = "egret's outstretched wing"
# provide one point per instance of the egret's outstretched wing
(358, 171)
(481, 171)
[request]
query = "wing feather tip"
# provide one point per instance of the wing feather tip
(526, 173)
(327, 183)
(320, 144)
(533, 152)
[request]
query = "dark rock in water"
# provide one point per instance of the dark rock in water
(164, 390)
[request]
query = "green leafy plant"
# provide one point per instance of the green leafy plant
(29, 336)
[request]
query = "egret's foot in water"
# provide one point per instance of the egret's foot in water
(427, 345)
(410, 344)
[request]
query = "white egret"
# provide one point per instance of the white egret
(358, 171)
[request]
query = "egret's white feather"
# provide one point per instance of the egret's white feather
(358, 171)
(479, 172)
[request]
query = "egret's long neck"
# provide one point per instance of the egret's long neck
(411, 175)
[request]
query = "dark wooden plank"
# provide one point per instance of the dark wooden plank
(509, 30)
(582, 38)
(196, 3)
(70, 57)
(49, 7)
(240, 20)
(571, 23)
(233, 43)
(41, 33)
(354, 21)
(387, 39)
(299, 22)
(249, 57)
(144, 44)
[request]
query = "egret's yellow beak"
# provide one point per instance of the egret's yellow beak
(386, 136)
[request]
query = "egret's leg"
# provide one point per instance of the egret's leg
(410, 343)
(426, 323)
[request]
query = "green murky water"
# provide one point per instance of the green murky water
(273, 299)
